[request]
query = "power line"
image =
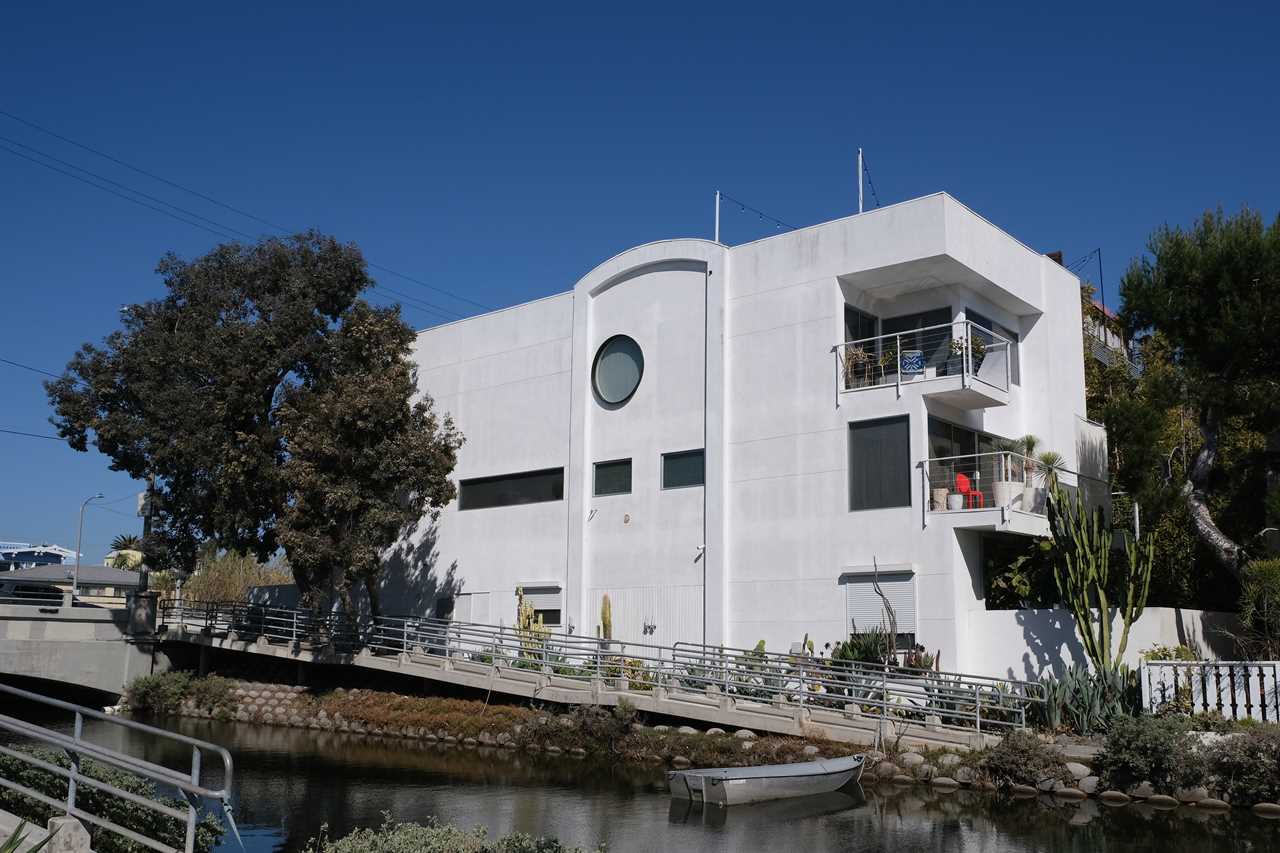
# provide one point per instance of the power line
(30, 434)
(226, 206)
(29, 367)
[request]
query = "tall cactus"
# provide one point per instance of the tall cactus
(1082, 571)
(606, 616)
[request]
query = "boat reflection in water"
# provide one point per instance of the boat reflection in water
(687, 811)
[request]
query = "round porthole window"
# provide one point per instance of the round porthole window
(617, 370)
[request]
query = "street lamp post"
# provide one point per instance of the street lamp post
(75, 579)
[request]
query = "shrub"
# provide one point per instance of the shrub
(1246, 766)
(229, 577)
(432, 837)
(1086, 702)
(1150, 749)
(1021, 759)
(142, 820)
(1260, 609)
(160, 694)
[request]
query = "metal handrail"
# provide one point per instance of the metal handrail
(937, 338)
(1251, 689)
(188, 782)
(877, 689)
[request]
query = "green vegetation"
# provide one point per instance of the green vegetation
(225, 577)
(432, 837)
(1086, 584)
(96, 802)
(1260, 610)
(164, 693)
(1150, 749)
(1246, 767)
(1087, 702)
(1021, 759)
(283, 414)
(17, 840)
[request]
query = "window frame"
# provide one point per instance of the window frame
(470, 481)
(595, 477)
(702, 482)
(906, 467)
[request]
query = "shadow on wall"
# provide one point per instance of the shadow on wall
(410, 584)
(1051, 639)
(1218, 632)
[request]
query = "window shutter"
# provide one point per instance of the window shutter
(543, 597)
(864, 608)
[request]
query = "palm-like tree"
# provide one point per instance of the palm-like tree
(126, 542)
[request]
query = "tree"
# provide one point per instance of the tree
(1086, 584)
(229, 386)
(1210, 299)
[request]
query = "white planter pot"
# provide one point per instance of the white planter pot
(1005, 491)
(938, 500)
(955, 502)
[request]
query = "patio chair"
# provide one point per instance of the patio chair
(972, 496)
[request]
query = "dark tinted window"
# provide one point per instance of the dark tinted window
(879, 464)
(613, 478)
(683, 469)
(529, 487)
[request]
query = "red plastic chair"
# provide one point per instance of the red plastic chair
(972, 496)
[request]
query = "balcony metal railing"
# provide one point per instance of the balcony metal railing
(1001, 479)
(964, 349)
(874, 690)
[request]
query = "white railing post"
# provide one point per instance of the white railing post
(897, 366)
(191, 802)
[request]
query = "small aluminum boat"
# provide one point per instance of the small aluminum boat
(731, 786)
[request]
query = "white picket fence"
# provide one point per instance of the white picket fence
(1235, 689)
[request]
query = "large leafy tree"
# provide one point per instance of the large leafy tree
(1208, 300)
(254, 392)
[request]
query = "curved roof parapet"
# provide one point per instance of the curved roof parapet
(680, 253)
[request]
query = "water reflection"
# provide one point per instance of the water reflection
(290, 782)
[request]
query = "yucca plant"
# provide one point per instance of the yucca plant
(18, 839)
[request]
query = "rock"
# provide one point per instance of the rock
(553, 750)
(1267, 810)
(637, 728)
(1142, 791)
(965, 775)
(450, 739)
(910, 759)
(810, 750)
(1191, 795)
(662, 729)
(949, 760)
(925, 772)
(1078, 770)
(680, 762)
(485, 739)
(1162, 801)
(1023, 791)
(1065, 793)
(945, 782)
(578, 752)
(1210, 804)
(432, 737)
(745, 734)
(567, 721)
(1048, 785)
(469, 741)
(1114, 798)
(716, 731)
(1089, 785)
(748, 744)
(903, 779)
(686, 730)
(502, 738)
(873, 756)
(933, 721)
(886, 770)
(509, 745)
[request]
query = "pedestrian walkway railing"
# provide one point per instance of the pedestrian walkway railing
(187, 781)
(884, 691)
(1235, 689)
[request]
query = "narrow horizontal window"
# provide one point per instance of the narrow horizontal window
(613, 478)
(529, 487)
(687, 468)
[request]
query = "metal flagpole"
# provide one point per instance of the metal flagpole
(859, 180)
(717, 216)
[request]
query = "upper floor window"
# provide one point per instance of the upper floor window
(527, 487)
(687, 468)
(613, 478)
(879, 463)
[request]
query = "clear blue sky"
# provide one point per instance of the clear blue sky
(501, 155)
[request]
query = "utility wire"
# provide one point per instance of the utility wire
(219, 229)
(745, 207)
(30, 434)
(29, 367)
(224, 205)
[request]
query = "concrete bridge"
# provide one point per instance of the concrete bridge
(778, 694)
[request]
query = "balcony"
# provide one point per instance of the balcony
(1003, 489)
(961, 364)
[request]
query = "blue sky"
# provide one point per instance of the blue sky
(501, 153)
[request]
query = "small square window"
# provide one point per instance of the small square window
(687, 468)
(613, 478)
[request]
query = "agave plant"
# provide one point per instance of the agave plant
(18, 841)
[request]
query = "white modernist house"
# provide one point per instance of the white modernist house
(741, 443)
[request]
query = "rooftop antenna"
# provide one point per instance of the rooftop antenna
(859, 180)
(717, 216)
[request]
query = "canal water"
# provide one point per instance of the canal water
(290, 783)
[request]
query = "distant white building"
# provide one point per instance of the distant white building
(726, 440)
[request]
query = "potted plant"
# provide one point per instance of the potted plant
(855, 357)
(938, 499)
(1008, 482)
(888, 356)
(1028, 451)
